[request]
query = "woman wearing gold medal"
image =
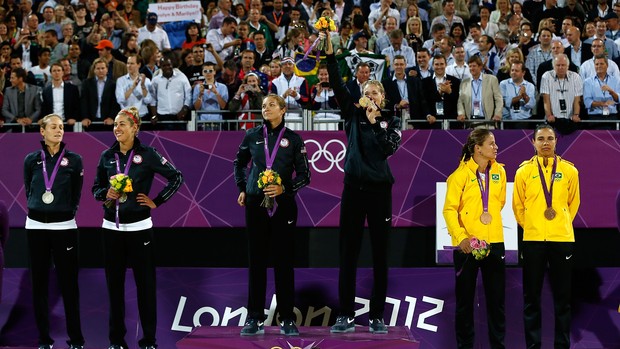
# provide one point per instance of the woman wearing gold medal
(475, 196)
(53, 178)
(545, 202)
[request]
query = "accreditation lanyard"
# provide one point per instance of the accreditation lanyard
(604, 82)
(548, 192)
(49, 181)
(484, 189)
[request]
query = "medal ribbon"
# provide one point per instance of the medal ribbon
(50, 181)
(126, 172)
(484, 191)
(270, 158)
(548, 193)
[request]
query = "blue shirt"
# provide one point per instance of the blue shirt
(136, 99)
(209, 100)
(509, 91)
(592, 92)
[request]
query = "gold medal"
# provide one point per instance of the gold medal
(550, 213)
(486, 218)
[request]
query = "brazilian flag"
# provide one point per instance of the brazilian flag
(307, 68)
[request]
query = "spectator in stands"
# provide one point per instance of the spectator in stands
(587, 68)
(79, 67)
(192, 37)
(541, 53)
(5, 54)
(133, 89)
(150, 57)
(27, 47)
(362, 74)
(223, 39)
(375, 19)
(16, 62)
(114, 26)
(414, 37)
(290, 44)
(25, 10)
(116, 68)
(600, 94)
(502, 45)
(58, 49)
(441, 94)
(153, 32)
(172, 95)
(398, 48)
(24, 111)
(601, 10)
(42, 71)
(613, 29)
(438, 32)
(209, 96)
(194, 71)
(423, 69)
(53, 178)
(249, 96)
(258, 24)
(546, 217)
(544, 9)
(323, 98)
(263, 54)
(458, 34)
(360, 40)
(518, 95)
(399, 90)
(445, 49)
(129, 46)
(130, 14)
(513, 55)
(449, 17)
(49, 23)
(383, 36)
(243, 33)
(294, 89)
(610, 46)
(561, 91)
(93, 11)
(67, 77)
(98, 98)
(247, 65)
(60, 98)
(471, 44)
(343, 40)
(480, 99)
(82, 27)
(577, 51)
(526, 39)
(229, 76)
(472, 210)
(459, 69)
(489, 57)
(217, 21)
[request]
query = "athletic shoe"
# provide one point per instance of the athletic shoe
(343, 324)
(288, 328)
(253, 327)
(377, 326)
(73, 346)
(46, 346)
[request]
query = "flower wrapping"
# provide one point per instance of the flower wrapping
(265, 179)
(481, 248)
(122, 184)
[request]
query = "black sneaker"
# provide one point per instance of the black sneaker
(149, 347)
(288, 328)
(74, 346)
(253, 327)
(46, 346)
(114, 346)
(343, 324)
(377, 326)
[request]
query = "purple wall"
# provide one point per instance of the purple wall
(422, 299)
(208, 198)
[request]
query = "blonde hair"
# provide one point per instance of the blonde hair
(46, 119)
(507, 65)
(379, 85)
(133, 114)
(411, 20)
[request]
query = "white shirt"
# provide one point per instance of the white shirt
(137, 98)
(587, 69)
(170, 95)
(218, 40)
(159, 36)
(459, 72)
(58, 106)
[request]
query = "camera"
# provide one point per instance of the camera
(206, 46)
(325, 84)
(32, 37)
(208, 86)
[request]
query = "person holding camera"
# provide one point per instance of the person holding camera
(248, 97)
(323, 98)
(210, 95)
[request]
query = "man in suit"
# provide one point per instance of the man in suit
(22, 102)
(362, 74)
(577, 51)
(556, 49)
(99, 99)
(69, 108)
(441, 92)
(480, 100)
(405, 93)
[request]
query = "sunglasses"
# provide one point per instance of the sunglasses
(208, 71)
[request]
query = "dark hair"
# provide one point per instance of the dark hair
(229, 20)
(437, 27)
(20, 73)
(540, 127)
(125, 40)
(463, 32)
(476, 137)
(438, 56)
(52, 32)
(475, 59)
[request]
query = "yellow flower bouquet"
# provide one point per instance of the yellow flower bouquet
(265, 179)
(123, 185)
(324, 24)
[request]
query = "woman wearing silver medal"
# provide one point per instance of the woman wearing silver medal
(53, 178)
(545, 203)
(476, 194)
(127, 224)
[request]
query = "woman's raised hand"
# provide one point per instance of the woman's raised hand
(329, 48)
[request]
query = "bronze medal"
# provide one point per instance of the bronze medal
(550, 213)
(486, 218)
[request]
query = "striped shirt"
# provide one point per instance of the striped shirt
(566, 89)
(535, 58)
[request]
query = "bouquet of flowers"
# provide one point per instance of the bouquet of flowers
(324, 24)
(267, 178)
(481, 248)
(122, 184)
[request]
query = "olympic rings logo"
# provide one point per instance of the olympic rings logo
(326, 152)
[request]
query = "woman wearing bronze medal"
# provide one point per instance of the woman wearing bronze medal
(277, 152)
(53, 178)
(475, 196)
(127, 226)
(545, 203)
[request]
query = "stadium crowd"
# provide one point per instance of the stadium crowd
(472, 63)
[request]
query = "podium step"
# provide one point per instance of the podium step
(309, 337)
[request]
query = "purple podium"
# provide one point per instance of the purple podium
(310, 337)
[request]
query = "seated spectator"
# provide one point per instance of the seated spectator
(133, 89)
(49, 23)
(360, 42)
(600, 95)
(5, 53)
(457, 33)
(192, 37)
(208, 96)
(323, 98)
(99, 99)
(518, 95)
(343, 39)
(22, 102)
(587, 68)
(61, 98)
(249, 96)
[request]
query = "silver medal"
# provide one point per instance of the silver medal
(48, 197)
